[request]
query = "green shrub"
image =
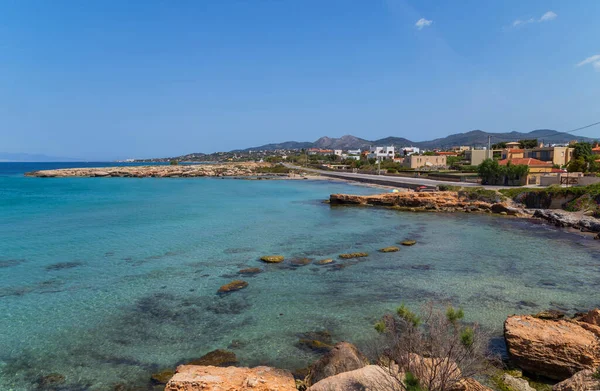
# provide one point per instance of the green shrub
(380, 326)
(467, 337)
(409, 316)
(411, 382)
(174, 162)
(454, 315)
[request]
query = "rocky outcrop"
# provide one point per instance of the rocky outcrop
(581, 381)
(209, 378)
(369, 378)
(561, 218)
(244, 169)
(443, 201)
(556, 349)
(343, 357)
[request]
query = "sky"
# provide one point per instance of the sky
(112, 79)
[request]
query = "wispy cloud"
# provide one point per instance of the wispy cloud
(594, 60)
(547, 17)
(421, 23)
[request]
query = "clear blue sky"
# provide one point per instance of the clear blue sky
(115, 79)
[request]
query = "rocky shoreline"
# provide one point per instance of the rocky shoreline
(173, 171)
(562, 354)
(469, 202)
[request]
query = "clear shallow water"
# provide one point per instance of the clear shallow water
(107, 280)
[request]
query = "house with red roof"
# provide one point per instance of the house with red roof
(537, 168)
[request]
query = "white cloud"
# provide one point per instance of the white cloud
(594, 60)
(423, 23)
(548, 16)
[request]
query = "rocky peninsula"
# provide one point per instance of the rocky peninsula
(247, 169)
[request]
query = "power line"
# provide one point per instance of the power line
(554, 134)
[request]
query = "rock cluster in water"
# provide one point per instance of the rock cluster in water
(176, 171)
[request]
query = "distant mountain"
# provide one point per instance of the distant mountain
(27, 157)
(474, 138)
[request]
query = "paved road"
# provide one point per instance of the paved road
(389, 180)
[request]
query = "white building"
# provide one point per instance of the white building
(337, 152)
(354, 151)
(382, 152)
(410, 150)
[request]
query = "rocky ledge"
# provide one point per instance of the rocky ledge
(578, 220)
(442, 201)
(176, 171)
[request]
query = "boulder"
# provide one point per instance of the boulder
(503, 209)
(300, 262)
(272, 258)
(556, 349)
(433, 373)
(408, 242)
(592, 317)
(390, 249)
(581, 381)
(343, 357)
(209, 378)
(233, 286)
(369, 378)
(516, 384)
(314, 345)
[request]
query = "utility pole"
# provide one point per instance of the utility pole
(489, 147)
(378, 166)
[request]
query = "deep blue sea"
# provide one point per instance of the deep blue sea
(107, 280)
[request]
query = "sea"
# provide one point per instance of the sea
(104, 281)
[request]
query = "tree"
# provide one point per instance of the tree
(500, 145)
(577, 165)
(583, 158)
(432, 351)
(490, 172)
(528, 143)
(174, 162)
(453, 162)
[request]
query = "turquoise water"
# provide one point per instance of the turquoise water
(107, 280)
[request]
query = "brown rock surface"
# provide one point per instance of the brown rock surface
(208, 378)
(343, 357)
(219, 357)
(556, 349)
(369, 378)
(235, 285)
(581, 381)
(592, 317)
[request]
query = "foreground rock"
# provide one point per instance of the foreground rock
(581, 381)
(369, 378)
(178, 171)
(343, 357)
(561, 218)
(209, 378)
(556, 349)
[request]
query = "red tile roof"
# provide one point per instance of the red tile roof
(597, 149)
(526, 161)
(446, 153)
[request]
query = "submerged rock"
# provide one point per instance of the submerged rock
(390, 249)
(324, 261)
(233, 286)
(550, 315)
(272, 258)
(300, 262)
(408, 242)
(343, 357)
(208, 378)
(556, 349)
(216, 358)
(353, 255)
(250, 270)
(162, 377)
(51, 381)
